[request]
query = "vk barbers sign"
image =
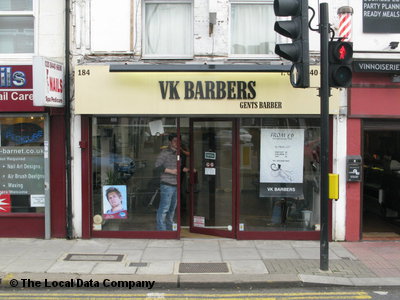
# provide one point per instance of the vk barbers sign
(381, 16)
(99, 91)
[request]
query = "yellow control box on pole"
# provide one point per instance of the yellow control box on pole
(333, 186)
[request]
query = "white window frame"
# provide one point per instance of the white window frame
(248, 56)
(144, 33)
(33, 13)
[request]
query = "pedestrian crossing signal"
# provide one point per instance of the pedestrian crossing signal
(340, 60)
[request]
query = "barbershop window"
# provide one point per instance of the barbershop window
(168, 29)
(279, 174)
(22, 165)
(16, 26)
(124, 152)
(251, 28)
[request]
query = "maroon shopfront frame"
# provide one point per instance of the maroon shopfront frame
(16, 94)
(87, 215)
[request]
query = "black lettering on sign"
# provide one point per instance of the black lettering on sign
(170, 86)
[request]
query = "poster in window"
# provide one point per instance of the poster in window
(281, 162)
(5, 202)
(114, 202)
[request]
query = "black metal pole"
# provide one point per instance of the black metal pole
(324, 158)
(68, 122)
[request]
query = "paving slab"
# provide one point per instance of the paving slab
(155, 254)
(158, 268)
(165, 244)
(312, 253)
(236, 244)
(125, 244)
(248, 267)
(48, 253)
(129, 255)
(29, 265)
(209, 245)
(113, 268)
(273, 245)
(388, 281)
(77, 267)
(304, 244)
(201, 256)
(239, 253)
(279, 253)
(6, 261)
(325, 280)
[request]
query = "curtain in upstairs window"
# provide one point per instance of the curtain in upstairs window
(252, 29)
(168, 29)
(16, 5)
(16, 34)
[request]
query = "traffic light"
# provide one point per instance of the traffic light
(297, 30)
(340, 59)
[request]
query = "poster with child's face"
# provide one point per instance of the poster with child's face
(114, 202)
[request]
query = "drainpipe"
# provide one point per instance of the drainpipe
(67, 87)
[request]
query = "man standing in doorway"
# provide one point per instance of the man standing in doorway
(166, 163)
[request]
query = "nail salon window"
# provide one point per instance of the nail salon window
(22, 165)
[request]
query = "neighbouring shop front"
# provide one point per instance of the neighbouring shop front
(373, 204)
(249, 140)
(31, 160)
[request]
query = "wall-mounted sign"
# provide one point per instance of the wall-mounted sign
(281, 162)
(48, 82)
(16, 88)
(376, 66)
(381, 16)
(210, 155)
(99, 91)
(354, 163)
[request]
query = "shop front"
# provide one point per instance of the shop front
(247, 154)
(27, 173)
(373, 206)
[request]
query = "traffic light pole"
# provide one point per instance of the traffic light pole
(324, 94)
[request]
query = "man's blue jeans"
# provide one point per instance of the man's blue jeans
(166, 210)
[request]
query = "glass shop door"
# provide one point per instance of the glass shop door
(212, 168)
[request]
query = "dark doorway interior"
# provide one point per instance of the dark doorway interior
(381, 185)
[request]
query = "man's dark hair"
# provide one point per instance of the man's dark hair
(171, 136)
(113, 190)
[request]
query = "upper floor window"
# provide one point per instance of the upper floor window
(16, 26)
(251, 28)
(168, 29)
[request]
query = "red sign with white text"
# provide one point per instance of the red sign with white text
(5, 203)
(16, 89)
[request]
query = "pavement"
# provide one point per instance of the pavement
(194, 263)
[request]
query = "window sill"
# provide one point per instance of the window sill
(151, 57)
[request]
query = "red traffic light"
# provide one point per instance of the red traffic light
(340, 59)
(341, 52)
